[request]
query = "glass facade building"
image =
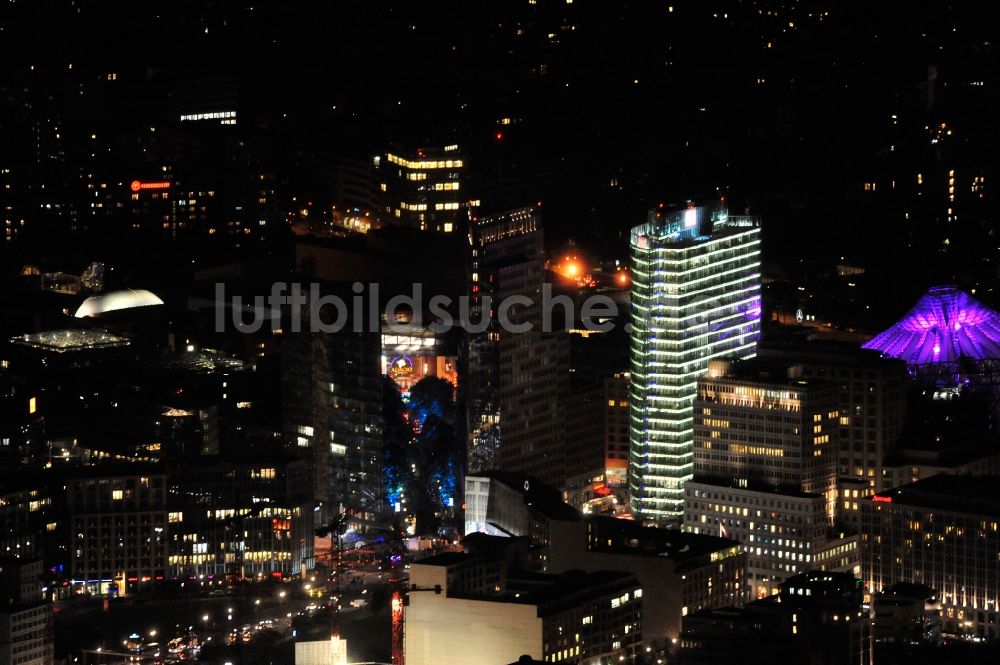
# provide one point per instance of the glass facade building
(695, 296)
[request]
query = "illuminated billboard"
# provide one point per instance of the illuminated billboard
(139, 185)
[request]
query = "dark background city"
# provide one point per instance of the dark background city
(783, 448)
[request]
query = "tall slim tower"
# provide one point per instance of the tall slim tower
(331, 413)
(517, 381)
(695, 296)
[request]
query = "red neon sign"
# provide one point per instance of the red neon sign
(138, 185)
(882, 499)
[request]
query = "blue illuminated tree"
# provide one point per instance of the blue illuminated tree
(438, 452)
(423, 456)
(396, 434)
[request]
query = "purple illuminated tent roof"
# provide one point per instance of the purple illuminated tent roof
(946, 324)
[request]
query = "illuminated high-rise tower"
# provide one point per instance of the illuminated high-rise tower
(517, 381)
(695, 296)
(423, 189)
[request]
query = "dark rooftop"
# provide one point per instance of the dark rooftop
(928, 452)
(539, 496)
(757, 486)
(978, 495)
(776, 372)
(443, 559)
(632, 538)
(789, 344)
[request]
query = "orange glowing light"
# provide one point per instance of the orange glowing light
(138, 185)
(572, 269)
(622, 278)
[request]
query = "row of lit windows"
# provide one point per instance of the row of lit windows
(564, 654)
(740, 449)
(218, 115)
(425, 163)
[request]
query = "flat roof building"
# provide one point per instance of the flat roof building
(818, 618)
(765, 442)
(482, 609)
(943, 532)
(873, 400)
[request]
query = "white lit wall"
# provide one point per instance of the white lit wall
(693, 298)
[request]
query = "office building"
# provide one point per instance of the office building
(695, 296)
(681, 573)
(766, 424)
(975, 456)
(817, 619)
(486, 594)
(321, 652)
(873, 401)
(118, 529)
(765, 442)
(597, 445)
(597, 417)
(616, 438)
(332, 405)
(25, 616)
(907, 613)
(230, 201)
(305, 412)
(25, 513)
(517, 380)
(423, 188)
(684, 572)
(782, 532)
(21, 423)
(239, 518)
(501, 503)
(941, 532)
(356, 423)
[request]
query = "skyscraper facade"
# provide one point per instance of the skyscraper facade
(695, 296)
(873, 395)
(943, 532)
(765, 458)
(331, 413)
(517, 380)
(422, 189)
